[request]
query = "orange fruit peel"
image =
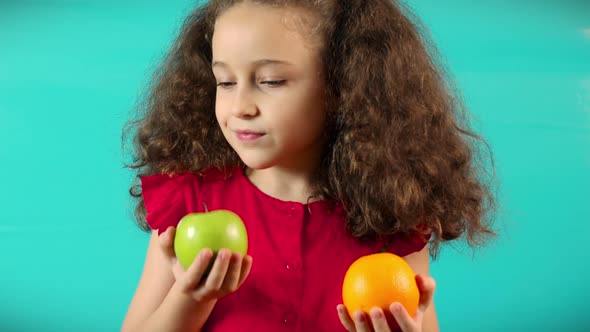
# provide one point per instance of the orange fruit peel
(377, 280)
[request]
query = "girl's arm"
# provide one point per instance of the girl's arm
(169, 298)
(159, 304)
(419, 261)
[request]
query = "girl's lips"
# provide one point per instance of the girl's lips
(248, 136)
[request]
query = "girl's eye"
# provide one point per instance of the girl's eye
(273, 84)
(225, 85)
(269, 83)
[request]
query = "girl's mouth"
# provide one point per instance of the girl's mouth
(248, 136)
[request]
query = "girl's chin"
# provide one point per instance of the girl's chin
(256, 164)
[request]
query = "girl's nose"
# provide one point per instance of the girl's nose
(244, 106)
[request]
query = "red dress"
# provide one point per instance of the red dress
(300, 251)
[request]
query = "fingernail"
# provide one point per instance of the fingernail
(396, 307)
(360, 316)
(376, 313)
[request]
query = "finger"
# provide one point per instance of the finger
(403, 318)
(178, 270)
(426, 285)
(193, 275)
(345, 318)
(361, 321)
(379, 320)
(217, 274)
(232, 277)
(245, 270)
(166, 241)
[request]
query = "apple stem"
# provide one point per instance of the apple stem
(205, 205)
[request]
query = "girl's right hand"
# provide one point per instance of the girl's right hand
(228, 273)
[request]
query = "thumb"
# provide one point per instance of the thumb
(166, 241)
(427, 286)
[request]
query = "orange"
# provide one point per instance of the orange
(378, 280)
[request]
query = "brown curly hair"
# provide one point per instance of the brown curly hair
(400, 153)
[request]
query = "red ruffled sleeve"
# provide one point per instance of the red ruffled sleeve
(403, 245)
(168, 198)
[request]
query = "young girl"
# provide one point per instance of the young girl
(326, 126)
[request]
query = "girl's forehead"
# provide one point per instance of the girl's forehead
(285, 19)
(258, 32)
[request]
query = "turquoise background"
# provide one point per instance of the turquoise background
(71, 71)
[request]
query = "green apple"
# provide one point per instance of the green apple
(214, 230)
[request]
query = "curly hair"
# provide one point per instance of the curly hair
(400, 154)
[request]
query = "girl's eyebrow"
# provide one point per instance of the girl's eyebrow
(257, 63)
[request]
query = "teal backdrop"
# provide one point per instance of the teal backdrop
(70, 71)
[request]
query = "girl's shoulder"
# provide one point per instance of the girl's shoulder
(212, 175)
(169, 197)
(403, 244)
(161, 183)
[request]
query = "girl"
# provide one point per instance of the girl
(326, 126)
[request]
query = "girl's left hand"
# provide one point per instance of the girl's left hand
(377, 318)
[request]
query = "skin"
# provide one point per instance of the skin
(269, 78)
(425, 318)
(270, 81)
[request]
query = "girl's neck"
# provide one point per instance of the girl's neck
(285, 184)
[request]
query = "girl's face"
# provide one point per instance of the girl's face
(270, 93)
